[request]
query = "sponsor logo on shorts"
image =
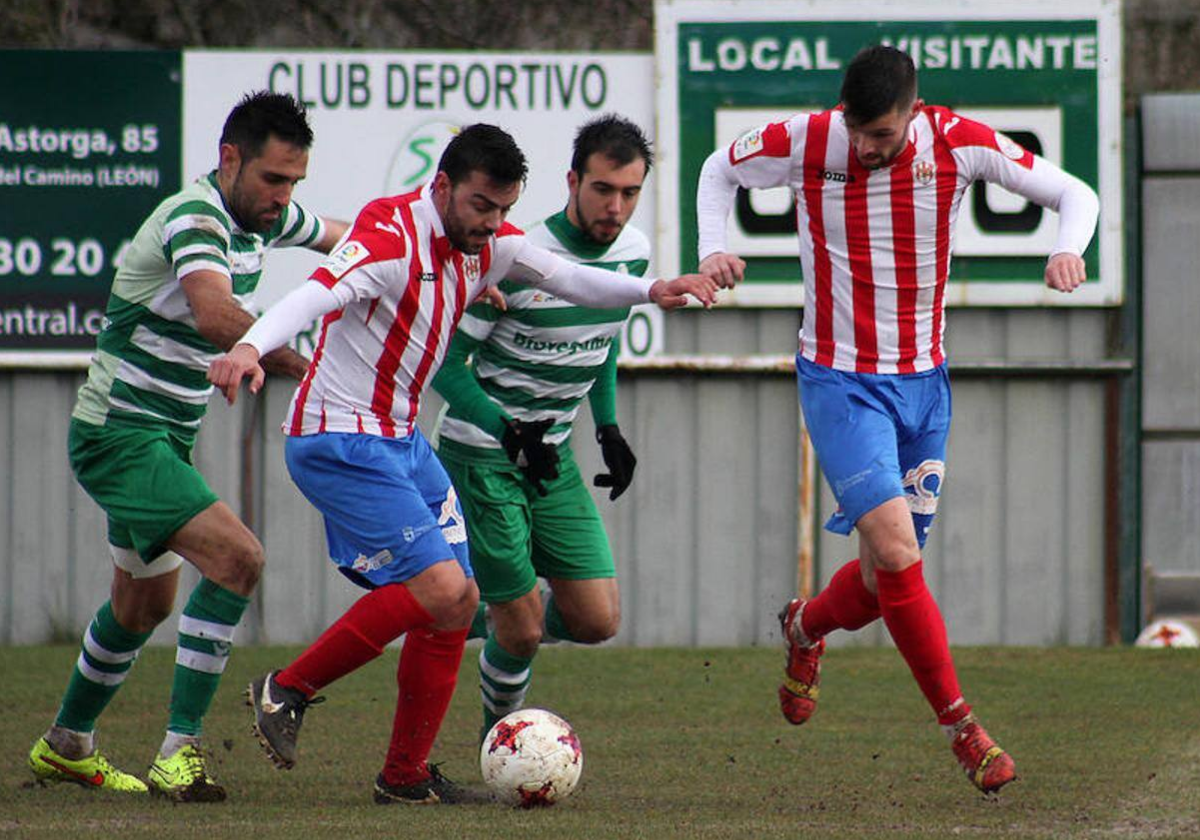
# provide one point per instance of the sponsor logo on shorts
(454, 527)
(841, 486)
(363, 564)
(923, 485)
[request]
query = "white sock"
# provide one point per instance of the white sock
(71, 744)
(174, 741)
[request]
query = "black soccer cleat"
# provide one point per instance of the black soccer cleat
(278, 713)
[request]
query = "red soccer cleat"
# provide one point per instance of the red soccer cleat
(987, 766)
(799, 690)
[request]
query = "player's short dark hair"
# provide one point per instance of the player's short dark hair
(263, 114)
(616, 137)
(879, 80)
(484, 148)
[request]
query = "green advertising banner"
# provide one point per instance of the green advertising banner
(89, 144)
(1047, 75)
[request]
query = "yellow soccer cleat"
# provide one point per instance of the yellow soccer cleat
(183, 777)
(94, 771)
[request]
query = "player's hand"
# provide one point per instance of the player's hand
(1065, 272)
(727, 269)
(671, 294)
(228, 371)
(494, 296)
(536, 459)
(619, 459)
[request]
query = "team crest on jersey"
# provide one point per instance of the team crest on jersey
(346, 257)
(471, 268)
(748, 145)
(1009, 147)
(924, 172)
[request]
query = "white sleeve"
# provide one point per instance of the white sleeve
(581, 284)
(299, 308)
(716, 191)
(759, 159)
(1076, 203)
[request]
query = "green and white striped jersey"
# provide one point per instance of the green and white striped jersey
(151, 364)
(541, 356)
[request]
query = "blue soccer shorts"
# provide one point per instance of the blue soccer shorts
(390, 510)
(877, 437)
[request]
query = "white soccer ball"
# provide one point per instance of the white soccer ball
(531, 758)
(1168, 632)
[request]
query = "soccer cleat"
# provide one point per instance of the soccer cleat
(987, 766)
(278, 713)
(436, 790)
(94, 771)
(800, 689)
(183, 777)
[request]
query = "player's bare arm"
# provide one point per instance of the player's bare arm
(1065, 272)
(334, 229)
(727, 269)
(671, 294)
(222, 321)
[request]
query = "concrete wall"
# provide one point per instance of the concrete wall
(706, 539)
(1171, 337)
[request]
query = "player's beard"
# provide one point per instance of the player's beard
(600, 231)
(241, 207)
(460, 234)
(886, 158)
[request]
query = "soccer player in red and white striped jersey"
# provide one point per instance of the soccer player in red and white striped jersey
(878, 182)
(391, 295)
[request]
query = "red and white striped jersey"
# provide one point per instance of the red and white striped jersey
(394, 290)
(875, 245)
(403, 289)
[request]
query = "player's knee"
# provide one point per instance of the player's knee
(598, 626)
(144, 615)
(897, 557)
(244, 567)
(453, 607)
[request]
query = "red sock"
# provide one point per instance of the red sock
(426, 677)
(919, 632)
(356, 638)
(845, 604)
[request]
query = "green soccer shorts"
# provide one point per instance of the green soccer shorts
(143, 479)
(516, 535)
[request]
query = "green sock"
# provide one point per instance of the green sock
(107, 654)
(205, 638)
(479, 627)
(503, 681)
(556, 628)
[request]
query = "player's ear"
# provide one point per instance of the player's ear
(230, 160)
(442, 185)
(917, 105)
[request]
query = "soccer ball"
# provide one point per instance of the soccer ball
(531, 758)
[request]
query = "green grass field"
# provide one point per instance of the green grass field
(677, 743)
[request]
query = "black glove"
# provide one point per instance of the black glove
(619, 459)
(536, 459)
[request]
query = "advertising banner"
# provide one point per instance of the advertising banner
(89, 145)
(1046, 74)
(381, 121)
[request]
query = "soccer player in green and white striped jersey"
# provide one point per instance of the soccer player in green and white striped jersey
(180, 297)
(521, 373)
